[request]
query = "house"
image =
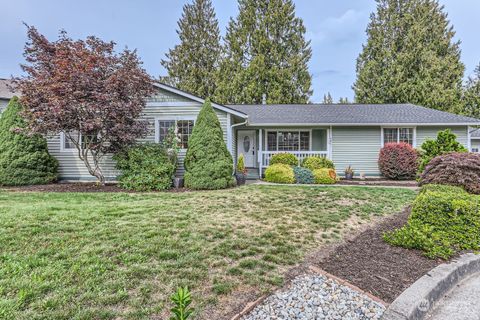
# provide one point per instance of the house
(5, 93)
(350, 134)
(475, 140)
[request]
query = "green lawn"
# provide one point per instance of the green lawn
(120, 256)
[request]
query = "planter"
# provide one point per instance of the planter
(178, 183)
(241, 178)
(348, 176)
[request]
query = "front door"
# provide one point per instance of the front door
(246, 146)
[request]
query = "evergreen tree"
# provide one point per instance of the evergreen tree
(265, 53)
(24, 159)
(208, 163)
(410, 56)
(192, 64)
(471, 95)
(327, 98)
(343, 100)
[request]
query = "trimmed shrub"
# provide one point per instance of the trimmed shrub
(279, 173)
(445, 142)
(325, 176)
(303, 175)
(241, 164)
(24, 159)
(441, 224)
(284, 158)
(208, 163)
(145, 167)
(441, 188)
(398, 161)
(456, 169)
(313, 163)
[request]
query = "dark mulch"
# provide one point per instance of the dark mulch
(75, 187)
(379, 182)
(371, 264)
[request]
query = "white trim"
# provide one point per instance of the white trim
(414, 134)
(253, 133)
(260, 151)
(404, 125)
(229, 134)
(198, 99)
(62, 144)
(170, 118)
(330, 143)
(173, 104)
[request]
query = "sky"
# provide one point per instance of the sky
(336, 29)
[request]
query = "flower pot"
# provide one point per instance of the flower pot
(348, 176)
(178, 183)
(241, 178)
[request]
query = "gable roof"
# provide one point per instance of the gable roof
(475, 134)
(5, 92)
(349, 114)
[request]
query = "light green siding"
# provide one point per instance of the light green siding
(424, 133)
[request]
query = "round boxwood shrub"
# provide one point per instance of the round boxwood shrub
(325, 176)
(314, 163)
(284, 158)
(455, 169)
(303, 175)
(398, 161)
(279, 173)
(146, 167)
(24, 158)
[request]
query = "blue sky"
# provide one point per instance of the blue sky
(336, 29)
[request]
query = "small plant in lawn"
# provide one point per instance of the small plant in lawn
(398, 161)
(181, 300)
(313, 163)
(284, 158)
(325, 176)
(303, 175)
(279, 173)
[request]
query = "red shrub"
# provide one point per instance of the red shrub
(398, 161)
(456, 169)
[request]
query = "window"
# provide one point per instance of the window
(66, 143)
(475, 150)
(396, 135)
(164, 128)
(288, 140)
(183, 130)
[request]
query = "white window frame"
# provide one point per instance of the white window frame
(290, 130)
(170, 118)
(398, 127)
(62, 143)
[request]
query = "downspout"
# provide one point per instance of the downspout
(231, 128)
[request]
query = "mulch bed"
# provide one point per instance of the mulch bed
(77, 187)
(379, 182)
(371, 264)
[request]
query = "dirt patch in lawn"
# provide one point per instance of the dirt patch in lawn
(368, 262)
(76, 187)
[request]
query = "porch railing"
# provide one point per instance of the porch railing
(267, 155)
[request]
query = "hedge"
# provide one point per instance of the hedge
(313, 163)
(284, 158)
(279, 173)
(325, 176)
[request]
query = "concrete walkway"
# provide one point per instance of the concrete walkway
(460, 303)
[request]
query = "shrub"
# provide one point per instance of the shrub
(441, 188)
(145, 167)
(284, 158)
(303, 175)
(313, 163)
(442, 222)
(325, 176)
(208, 163)
(456, 169)
(279, 173)
(398, 161)
(181, 299)
(445, 142)
(241, 164)
(24, 158)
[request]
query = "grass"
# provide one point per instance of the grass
(119, 255)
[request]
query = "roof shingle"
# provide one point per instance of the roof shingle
(5, 92)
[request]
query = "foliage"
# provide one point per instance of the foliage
(24, 158)
(445, 142)
(241, 164)
(145, 167)
(208, 163)
(456, 169)
(471, 95)
(349, 170)
(303, 175)
(313, 163)
(265, 53)
(327, 98)
(398, 161)
(279, 173)
(343, 100)
(442, 223)
(284, 158)
(442, 188)
(87, 91)
(182, 300)
(410, 56)
(325, 176)
(192, 63)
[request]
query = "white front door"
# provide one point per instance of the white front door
(246, 146)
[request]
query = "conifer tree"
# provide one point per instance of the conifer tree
(208, 163)
(471, 95)
(192, 64)
(327, 98)
(265, 53)
(24, 158)
(410, 57)
(343, 100)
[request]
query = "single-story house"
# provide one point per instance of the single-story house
(5, 93)
(348, 134)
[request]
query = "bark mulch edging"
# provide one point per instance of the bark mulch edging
(77, 187)
(379, 182)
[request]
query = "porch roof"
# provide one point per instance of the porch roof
(349, 114)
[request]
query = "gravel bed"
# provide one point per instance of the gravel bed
(316, 297)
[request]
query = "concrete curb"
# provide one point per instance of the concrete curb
(420, 297)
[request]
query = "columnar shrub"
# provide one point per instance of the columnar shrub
(145, 167)
(208, 163)
(313, 163)
(445, 142)
(24, 158)
(279, 173)
(241, 164)
(284, 158)
(398, 161)
(303, 175)
(325, 176)
(456, 169)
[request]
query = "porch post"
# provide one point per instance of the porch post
(229, 134)
(329, 144)
(259, 151)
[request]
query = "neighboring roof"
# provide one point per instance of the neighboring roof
(198, 99)
(349, 114)
(5, 92)
(475, 134)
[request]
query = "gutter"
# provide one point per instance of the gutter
(231, 128)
